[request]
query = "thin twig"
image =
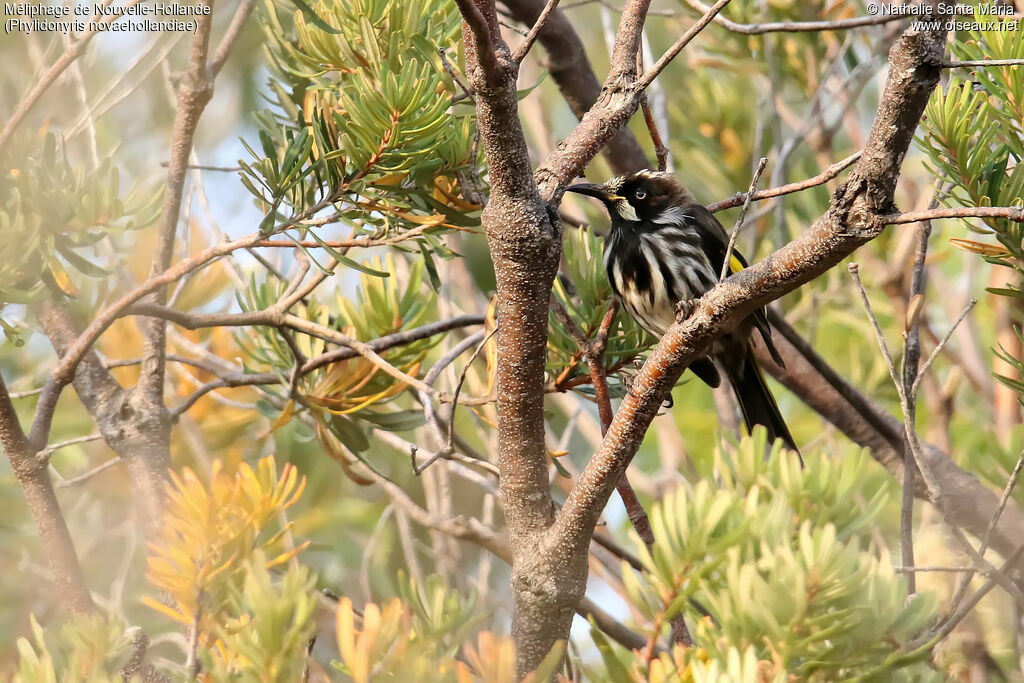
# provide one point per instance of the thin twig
(86, 476)
(450, 70)
(938, 347)
(192, 658)
(207, 167)
(531, 37)
(911, 358)
(789, 188)
(660, 151)
(682, 42)
(1003, 499)
(72, 53)
(743, 215)
(446, 449)
(1013, 213)
(879, 336)
(46, 452)
(953, 64)
(918, 570)
(962, 587)
(462, 380)
(798, 26)
(26, 394)
(929, 478)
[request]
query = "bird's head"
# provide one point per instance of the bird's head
(643, 197)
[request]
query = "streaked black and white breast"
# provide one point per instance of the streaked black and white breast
(654, 265)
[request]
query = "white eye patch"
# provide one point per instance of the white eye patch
(626, 210)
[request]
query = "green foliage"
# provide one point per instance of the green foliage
(270, 630)
(394, 642)
(974, 138)
(776, 553)
(85, 649)
(50, 209)
(364, 119)
(441, 615)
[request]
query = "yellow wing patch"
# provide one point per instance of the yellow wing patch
(735, 265)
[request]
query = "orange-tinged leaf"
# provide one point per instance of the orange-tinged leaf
(346, 629)
(287, 555)
(63, 280)
(285, 417)
(981, 248)
(165, 610)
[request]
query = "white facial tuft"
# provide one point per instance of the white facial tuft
(626, 211)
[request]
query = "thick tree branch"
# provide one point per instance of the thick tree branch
(483, 30)
(524, 236)
(31, 472)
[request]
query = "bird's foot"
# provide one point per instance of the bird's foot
(685, 308)
(627, 383)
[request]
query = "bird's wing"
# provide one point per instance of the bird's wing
(715, 241)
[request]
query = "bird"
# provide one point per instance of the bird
(664, 251)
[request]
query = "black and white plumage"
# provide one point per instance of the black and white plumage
(665, 249)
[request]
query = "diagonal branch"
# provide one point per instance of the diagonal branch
(826, 175)
(571, 70)
(73, 52)
(684, 40)
(620, 99)
(531, 37)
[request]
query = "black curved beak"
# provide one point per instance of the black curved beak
(589, 189)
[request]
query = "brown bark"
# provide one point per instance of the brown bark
(571, 70)
(30, 468)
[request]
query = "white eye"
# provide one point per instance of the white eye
(640, 194)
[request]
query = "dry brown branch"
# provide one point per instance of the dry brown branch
(1013, 213)
(531, 37)
(981, 62)
(828, 174)
(798, 26)
(727, 259)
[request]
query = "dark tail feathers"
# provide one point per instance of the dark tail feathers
(757, 403)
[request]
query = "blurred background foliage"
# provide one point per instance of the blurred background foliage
(331, 140)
